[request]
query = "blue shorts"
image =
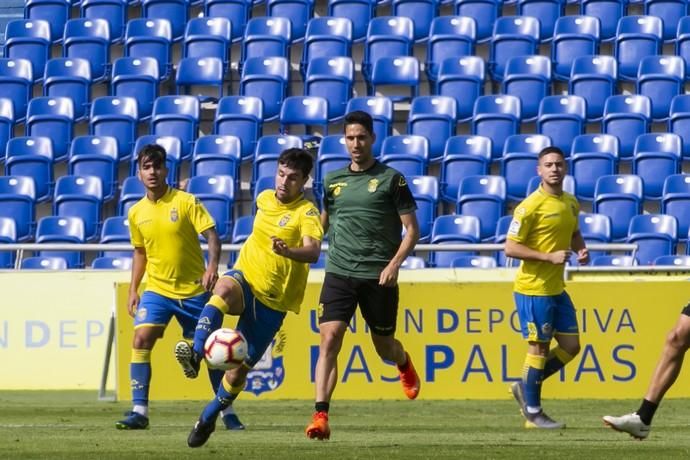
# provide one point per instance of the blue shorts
(157, 310)
(258, 323)
(543, 316)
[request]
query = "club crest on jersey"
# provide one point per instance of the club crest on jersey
(373, 184)
(269, 372)
(284, 220)
(174, 215)
(336, 191)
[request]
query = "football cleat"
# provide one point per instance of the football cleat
(409, 379)
(200, 433)
(133, 421)
(542, 421)
(318, 428)
(232, 422)
(629, 423)
(517, 389)
(188, 359)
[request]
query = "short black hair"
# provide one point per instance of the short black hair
(296, 158)
(551, 149)
(359, 117)
(152, 152)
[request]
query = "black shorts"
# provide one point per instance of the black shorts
(340, 296)
(686, 310)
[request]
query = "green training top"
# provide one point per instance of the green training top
(364, 209)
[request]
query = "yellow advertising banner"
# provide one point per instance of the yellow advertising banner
(464, 340)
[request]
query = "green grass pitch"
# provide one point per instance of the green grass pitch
(73, 425)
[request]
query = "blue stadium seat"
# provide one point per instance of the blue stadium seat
(262, 183)
(115, 230)
(620, 198)
(483, 197)
(237, 12)
(682, 42)
(71, 78)
(299, 12)
(608, 12)
(473, 262)
(660, 78)
(331, 78)
(679, 121)
(89, 39)
(502, 227)
(449, 37)
(614, 261)
(595, 228)
(309, 111)
(433, 117)
(173, 149)
(592, 156)
(95, 156)
(671, 13)
(594, 79)
(112, 263)
(546, 11)
(425, 192)
(241, 117)
(242, 229)
(412, 263)
(52, 117)
(673, 261)
(562, 118)
(117, 117)
(32, 157)
(655, 235)
(8, 234)
(332, 155)
(484, 12)
(58, 229)
(451, 229)
(266, 37)
(381, 110)
(627, 117)
(528, 78)
(201, 77)
(496, 117)
(267, 79)
(113, 11)
(569, 184)
(217, 193)
(462, 78)
(359, 12)
(422, 13)
(326, 37)
(636, 38)
(573, 37)
(464, 156)
(387, 36)
(208, 37)
(675, 201)
(55, 12)
(174, 11)
(136, 77)
(268, 149)
(512, 36)
(177, 116)
(657, 156)
(6, 122)
(29, 39)
(216, 154)
(18, 202)
(408, 154)
(80, 196)
(150, 38)
(519, 162)
(132, 191)
(44, 263)
(399, 75)
(16, 83)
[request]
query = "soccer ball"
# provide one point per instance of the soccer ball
(225, 349)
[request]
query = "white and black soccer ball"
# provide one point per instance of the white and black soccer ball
(225, 349)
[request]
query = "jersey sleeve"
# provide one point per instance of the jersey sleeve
(311, 223)
(199, 216)
(402, 196)
(135, 236)
(521, 225)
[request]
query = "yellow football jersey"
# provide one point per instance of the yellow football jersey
(168, 229)
(545, 223)
(278, 282)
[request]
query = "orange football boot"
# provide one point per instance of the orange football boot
(409, 379)
(318, 428)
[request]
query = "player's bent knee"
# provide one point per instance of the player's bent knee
(679, 339)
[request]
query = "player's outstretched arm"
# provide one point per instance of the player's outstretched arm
(138, 269)
(210, 276)
(520, 251)
(308, 253)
